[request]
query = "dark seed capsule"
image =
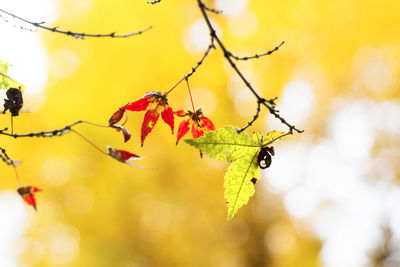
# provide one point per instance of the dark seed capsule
(264, 158)
(14, 102)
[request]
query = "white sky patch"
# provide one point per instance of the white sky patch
(386, 116)
(197, 37)
(13, 224)
(24, 49)
(345, 194)
(231, 7)
(295, 105)
(352, 131)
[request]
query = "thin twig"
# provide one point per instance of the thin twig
(153, 2)
(74, 34)
(229, 57)
(7, 160)
(52, 133)
(253, 120)
(258, 55)
(210, 46)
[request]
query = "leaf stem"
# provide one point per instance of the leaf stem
(166, 93)
(16, 175)
(90, 142)
(190, 93)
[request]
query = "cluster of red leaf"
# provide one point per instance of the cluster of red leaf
(156, 104)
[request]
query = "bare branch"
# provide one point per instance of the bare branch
(153, 2)
(252, 120)
(229, 57)
(213, 10)
(6, 158)
(52, 133)
(210, 46)
(258, 55)
(75, 34)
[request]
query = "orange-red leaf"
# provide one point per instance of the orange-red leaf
(168, 116)
(123, 156)
(182, 130)
(27, 194)
(150, 119)
(206, 123)
(180, 113)
(139, 105)
(116, 117)
(156, 105)
(197, 131)
(200, 124)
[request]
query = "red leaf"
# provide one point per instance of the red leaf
(116, 117)
(199, 122)
(196, 130)
(124, 156)
(121, 155)
(150, 119)
(139, 105)
(207, 123)
(127, 135)
(27, 194)
(182, 130)
(168, 116)
(180, 113)
(155, 103)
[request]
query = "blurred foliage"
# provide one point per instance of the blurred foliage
(94, 211)
(5, 81)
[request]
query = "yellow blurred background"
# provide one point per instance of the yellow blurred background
(330, 197)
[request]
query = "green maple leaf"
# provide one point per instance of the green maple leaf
(5, 81)
(227, 145)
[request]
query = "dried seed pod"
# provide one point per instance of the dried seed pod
(27, 194)
(264, 157)
(14, 101)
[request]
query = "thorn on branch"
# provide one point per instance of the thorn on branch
(7, 159)
(71, 33)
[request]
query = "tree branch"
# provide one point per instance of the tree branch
(258, 55)
(210, 46)
(229, 57)
(74, 34)
(7, 159)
